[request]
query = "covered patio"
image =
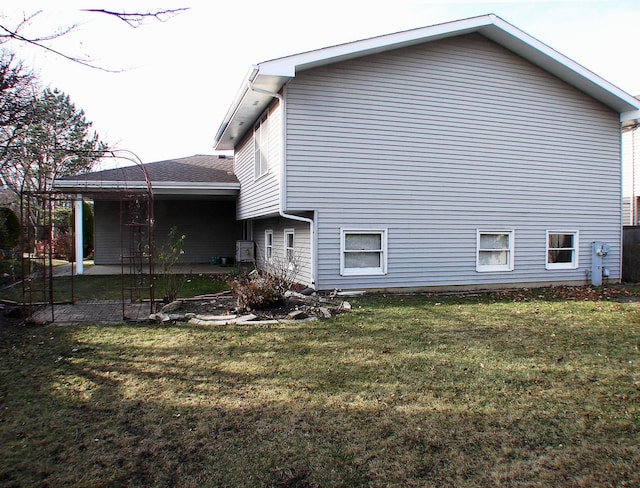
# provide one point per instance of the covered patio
(196, 195)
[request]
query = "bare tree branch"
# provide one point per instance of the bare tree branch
(136, 19)
(7, 34)
(133, 19)
(38, 42)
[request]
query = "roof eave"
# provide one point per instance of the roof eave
(272, 75)
(247, 106)
(158, 188)
(630, 118)
(290, 65)
(560, 66)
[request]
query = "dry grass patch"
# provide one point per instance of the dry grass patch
(403, 391)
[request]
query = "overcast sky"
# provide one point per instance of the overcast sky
(176, 79)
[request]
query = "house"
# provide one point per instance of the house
(466, 154)
(196, 194)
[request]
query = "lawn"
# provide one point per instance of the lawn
(489, 390)
(109, 287)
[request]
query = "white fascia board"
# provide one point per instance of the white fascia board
(559, 65)
(629, 118)
(165, 187)
(491, 27)
(272, 75)
(245, 109)
(178, 187)
(97, 185)
(196, 191)
(236, 101)
(190, 184)
(290, 65)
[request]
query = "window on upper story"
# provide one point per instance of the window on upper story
(494, 250)
(562, 249)
(363, 252)
(261, 146)
(268, 245)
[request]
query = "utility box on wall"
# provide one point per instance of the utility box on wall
(245, 252)
(598, 271)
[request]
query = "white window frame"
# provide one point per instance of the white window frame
(576, 247)
(379, 270)
(261, 147)
(290, 251)
(490, 268)
(268, 245)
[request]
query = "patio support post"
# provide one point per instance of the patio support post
(78, 235)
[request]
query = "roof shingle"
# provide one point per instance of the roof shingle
(201, 168)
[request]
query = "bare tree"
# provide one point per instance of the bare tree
(17, 90)
(19, 31)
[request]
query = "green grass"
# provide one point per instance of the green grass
(108, 287)
(492, 390)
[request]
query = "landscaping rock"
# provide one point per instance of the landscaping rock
(221, 309)
(295, 294)
(162, 317)
(172, 307)
(214, 318)
(326, 313)
(222, 319)
(296, 315)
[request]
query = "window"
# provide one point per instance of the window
(289, 248)
(268, 245)
(494, 251)
(261, 147)
(363, 252)
(562, 249)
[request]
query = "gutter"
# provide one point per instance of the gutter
(283, 164)
(177, 186)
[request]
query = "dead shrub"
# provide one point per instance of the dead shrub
(266, 287)
(257, 291)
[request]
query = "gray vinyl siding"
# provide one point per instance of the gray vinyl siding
(210, 228)
(259, 197)
(106, 235)
(301, 242)
(432, 143)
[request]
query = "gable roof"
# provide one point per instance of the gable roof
(268, 77)
(196, 175)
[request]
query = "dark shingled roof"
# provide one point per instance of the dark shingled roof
(201, 168)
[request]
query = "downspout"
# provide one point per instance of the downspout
(282, 196)
(632, 203)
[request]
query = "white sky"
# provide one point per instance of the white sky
(178, 78)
